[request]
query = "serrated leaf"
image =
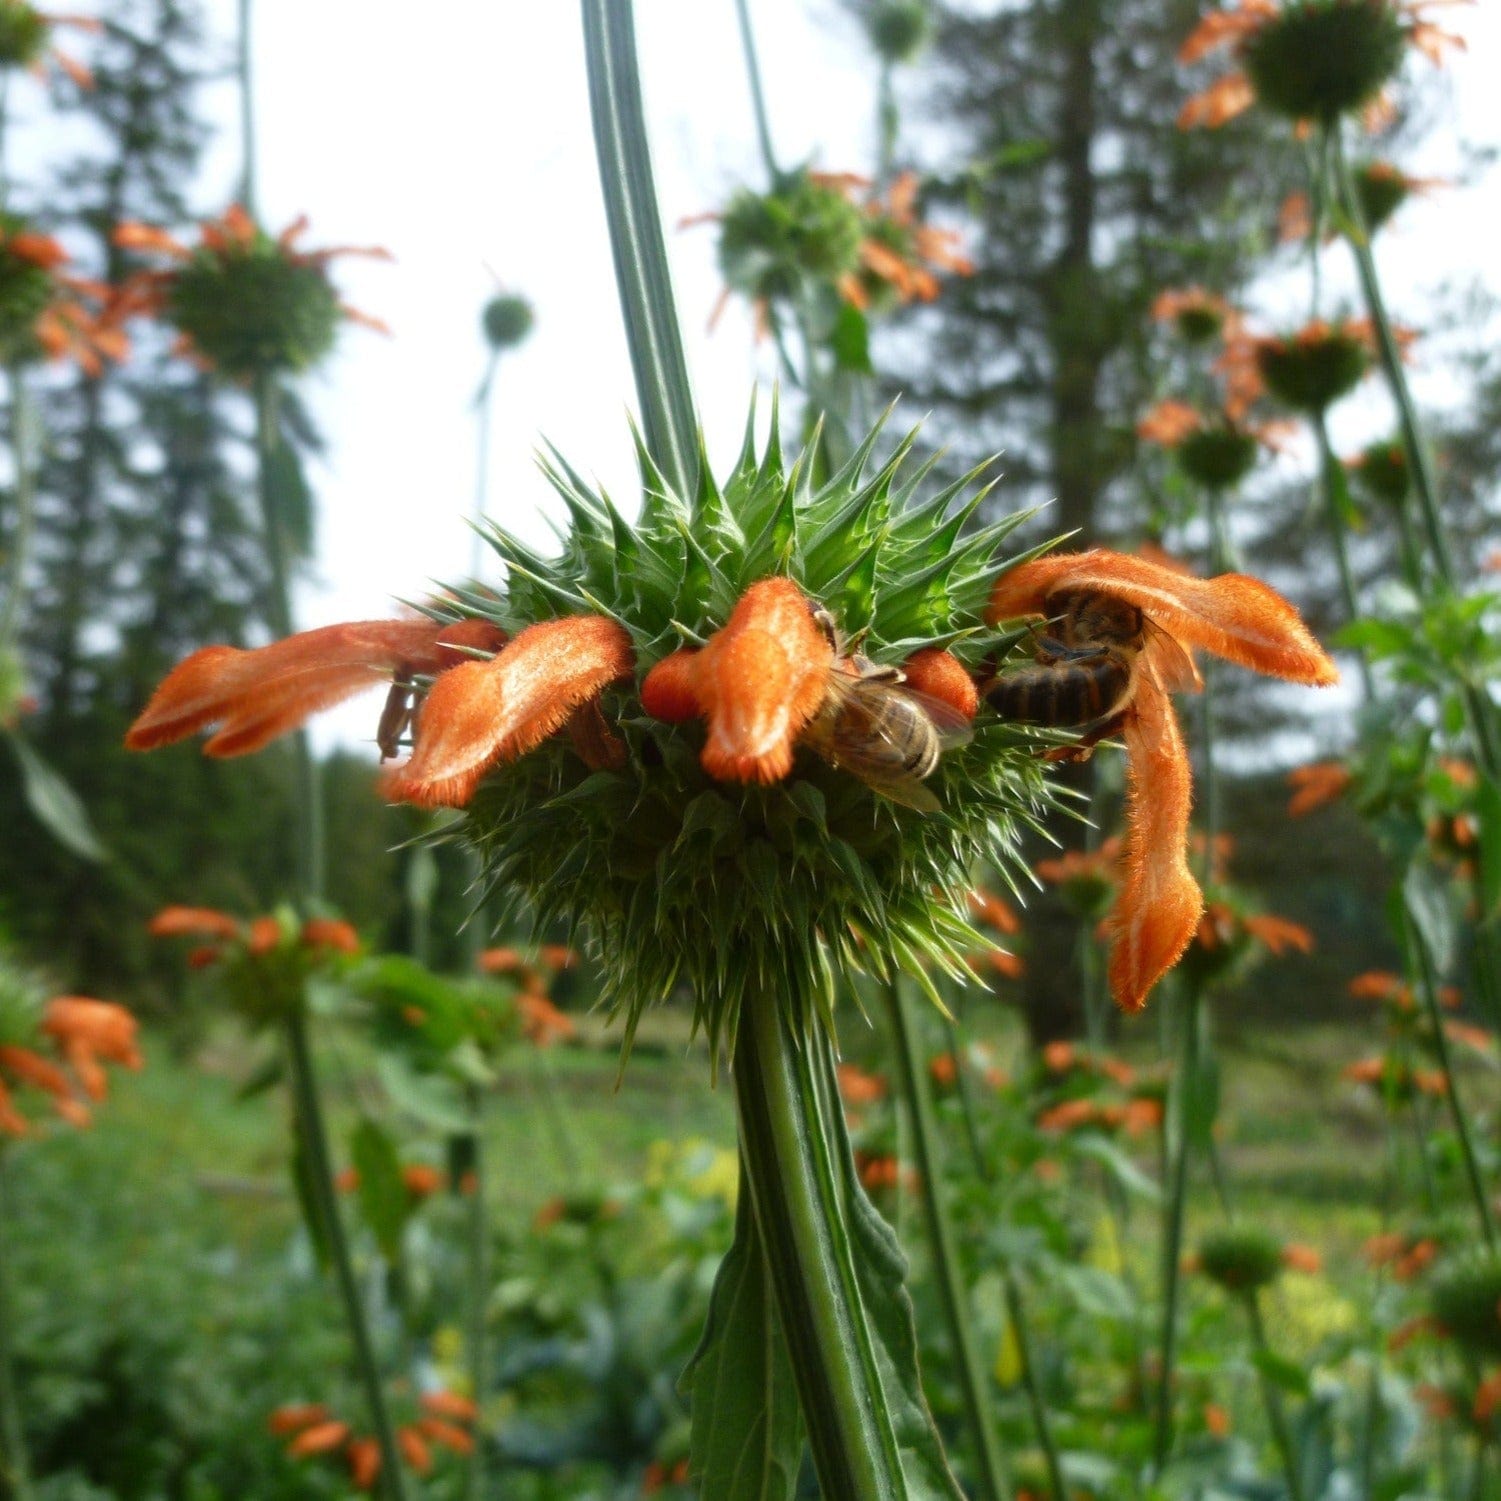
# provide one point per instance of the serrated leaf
(382, 1194)
(747, 1440)
(56, 806)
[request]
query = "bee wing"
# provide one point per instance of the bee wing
(1174, 667)
(953, 728)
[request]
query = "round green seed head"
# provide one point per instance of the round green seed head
(1218, 458)
(1199, 325)
(1465, 1297)
(1320, 59)
(507, 320)
(1382, 190)
(898, 28)
(1383, 473)
(25, 291)
(1311, 373)
(255, 312)
(772, 244)
(23, 34)
(1240, 1259)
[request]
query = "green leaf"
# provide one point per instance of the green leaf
(434, 1100)
(56, 806)
(850, 340)
(1283, 1373)
(1430, 912)
(383, 1195)
(747, 1442)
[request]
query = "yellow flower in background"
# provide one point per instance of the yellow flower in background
(1104, 1253)
(1308, 1311)
(1008, 1357)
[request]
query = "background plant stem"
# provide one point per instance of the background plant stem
(314, 1138)
(15, 1470)
(947, 1273)
(1272, 1399)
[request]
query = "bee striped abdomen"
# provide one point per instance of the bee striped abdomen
(1062, 694)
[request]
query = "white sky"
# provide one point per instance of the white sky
(458, 136)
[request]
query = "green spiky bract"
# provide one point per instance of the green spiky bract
(1217, 457)
(25, 291)
(731, 891)
(1465, 1297)
(1320, 59)
(1240, 1259)
(1311, 373)
(254, 311)
(773, 245)
(1382, 471)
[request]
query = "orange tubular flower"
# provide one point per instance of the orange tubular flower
(1316, 784)
(446, 1404)
(541, 1022)
(254, 696)
(856, 1087)
(319, 1439)
(758, 681)
(482, 713)
(1236, 617)
(86, 1031)
(176, 922)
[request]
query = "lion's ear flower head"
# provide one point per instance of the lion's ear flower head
(735, 740)
(1159, 904)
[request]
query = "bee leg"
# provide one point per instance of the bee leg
(1089, 737)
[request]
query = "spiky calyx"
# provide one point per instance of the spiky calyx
(1314, 368)
(1240, 1259)
(507, 320)
(252, 310)
(1465, 1298)
(806, 231)
(1217, 457)
(727, 889)
(1382, 471)
(898, 28)
(1320, 59)
(26, 289)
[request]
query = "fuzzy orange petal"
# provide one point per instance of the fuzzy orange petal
(296, 1415)
(482, 713)
(1159, 903)
(941, 675)
(330, 933)
(668, 692)
(1233, 615)
(446, 1404)
(174, 922)
(760, 680)
(319, 1439)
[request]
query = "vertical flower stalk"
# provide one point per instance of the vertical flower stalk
(23, 492)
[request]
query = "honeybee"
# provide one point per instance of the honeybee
(870, 725)
(1088, 665)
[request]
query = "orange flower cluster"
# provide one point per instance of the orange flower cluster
(1159, 903)
(1405, 1256)
(312, 1431)
(858, 1088)
(420, 1179)
(900, 252)
(1396, 1080)
(85, 1034)
(541, 1021)
(318, 936)
(658, 1475)
(1316, 784)
(67, 327)
(1221, 926)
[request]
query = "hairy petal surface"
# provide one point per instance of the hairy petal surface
(1235, 616)
(760, 680)
(481, 713)
(1158, 907)
(255, 695)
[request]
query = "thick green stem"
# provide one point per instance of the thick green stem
(785, 1147)
(637, 244)
(1428, 989)
(1272, 1399)
(319, 1176)
(308, 791)
(758, 93)
(886, 124)
(15, 1471)
(1329, 491)
(484, 410)
(974, 1393)
(1185, 1083)
(23, 460)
